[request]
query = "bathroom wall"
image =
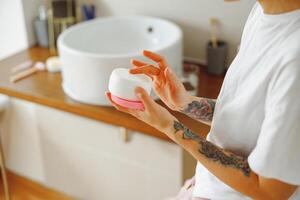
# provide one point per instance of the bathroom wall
(30, 8)
(16, 25)
(12, 28)
(192, 15)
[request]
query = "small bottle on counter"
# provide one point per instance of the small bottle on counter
(41, 26)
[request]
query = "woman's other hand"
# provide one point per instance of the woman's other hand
(165, 83)
(153, 114)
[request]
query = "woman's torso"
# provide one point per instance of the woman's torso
(240, 108)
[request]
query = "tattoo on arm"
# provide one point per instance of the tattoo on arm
(201, 110)
(213, 152)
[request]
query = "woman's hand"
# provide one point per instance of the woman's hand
(165, 83)
(153, 114)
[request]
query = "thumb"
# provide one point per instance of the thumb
(171, 77)
(144, 97)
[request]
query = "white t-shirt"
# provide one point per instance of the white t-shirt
(258, 110)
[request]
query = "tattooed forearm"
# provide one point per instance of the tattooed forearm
(213, 152)
(187, 133)
(202, 109)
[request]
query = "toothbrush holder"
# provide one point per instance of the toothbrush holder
(41, 31)
(216, 57)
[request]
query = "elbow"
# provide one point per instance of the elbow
(269, 197)
(263, 194)
(271, 189)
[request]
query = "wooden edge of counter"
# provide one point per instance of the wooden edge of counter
(104, 114)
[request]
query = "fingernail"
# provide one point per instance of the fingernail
(139, 95)
(138, 89)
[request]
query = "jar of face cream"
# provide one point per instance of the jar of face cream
(122, 87)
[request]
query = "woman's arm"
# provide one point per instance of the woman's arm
(200, 109)
(231, 168)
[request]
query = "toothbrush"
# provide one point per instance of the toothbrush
(22, 66)
(214, 39)
(39, 66)
(88, 12)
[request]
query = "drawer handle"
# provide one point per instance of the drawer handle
(124, 134)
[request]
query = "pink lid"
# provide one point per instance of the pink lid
(138, 105)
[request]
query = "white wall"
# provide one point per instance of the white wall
(12, 28)
(16, 31)
(192, 15)
(16, 25)
(30, 9)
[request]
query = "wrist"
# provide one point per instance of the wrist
(168, 127)
(175, 133)
(185, 103)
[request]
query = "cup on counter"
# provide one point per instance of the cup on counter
(41, 31)
(216, 57)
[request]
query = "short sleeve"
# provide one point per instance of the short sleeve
(277, 152)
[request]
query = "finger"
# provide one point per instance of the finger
(173, 82)
(135, 113)
(149, 75)
(153, 56)
(138, 63)
(145, 98)
(170, 76)
(147, 69)
(169, 84)
(118, 107)
(157, 58)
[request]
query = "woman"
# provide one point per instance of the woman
(252, 150)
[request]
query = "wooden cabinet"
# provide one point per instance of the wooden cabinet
(89, 159)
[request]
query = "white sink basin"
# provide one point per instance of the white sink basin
(91, 50)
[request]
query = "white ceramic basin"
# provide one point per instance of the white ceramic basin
(91, 50)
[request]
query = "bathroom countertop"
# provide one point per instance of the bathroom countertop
(45, 89)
